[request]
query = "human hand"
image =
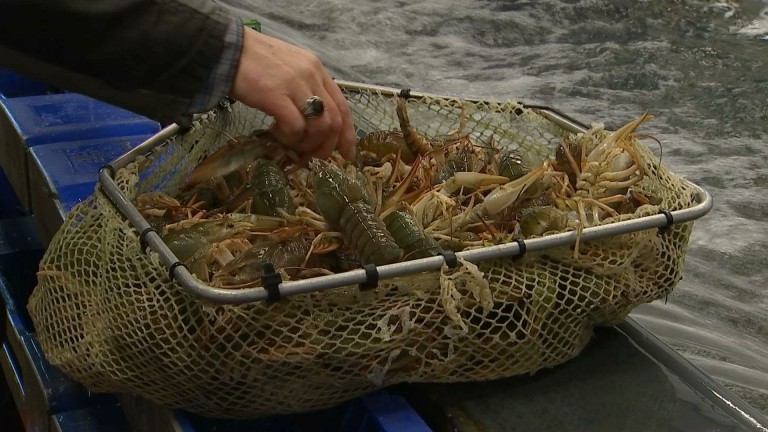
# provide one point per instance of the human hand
(276, 77)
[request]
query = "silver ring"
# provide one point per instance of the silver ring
(313, 107)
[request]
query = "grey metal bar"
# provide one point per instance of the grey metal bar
(558, 118)
(188, 281)
(193, 286)
(224, 296)
(147, 146)
(391, 91)
(746, 415)
(551, 114)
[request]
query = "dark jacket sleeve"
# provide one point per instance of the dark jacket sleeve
(149, 56)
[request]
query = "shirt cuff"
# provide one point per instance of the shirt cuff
(222, 73)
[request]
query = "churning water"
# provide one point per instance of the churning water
(701, 67)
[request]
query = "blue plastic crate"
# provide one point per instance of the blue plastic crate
(71, 195)
(78, 162)
(20, 253)
(380, 411)
(26, 122)
(72, 117)
(10, 206)
(38, 388)
(63, 174)
(13, 85)
(108, 418)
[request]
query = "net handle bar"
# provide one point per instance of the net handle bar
(191, 285)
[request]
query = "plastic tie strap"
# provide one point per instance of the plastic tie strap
(109, 168)
(670, 220)
(371, 277)
(172, 268)
(143, 238)
(184, 121)
(449, 257)
(271, 281)
(405, 93)
(522, 248)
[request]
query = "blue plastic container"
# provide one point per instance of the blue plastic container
(71, 195)
(63, 174)
(26, 122)
(20, 253)
(109, 418)
(38, 389)
(10, 206)
(78, 162)
(382, 412)
(13, 85)
(72, 117)
(379, 411)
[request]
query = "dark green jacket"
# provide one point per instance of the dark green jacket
(149, 56)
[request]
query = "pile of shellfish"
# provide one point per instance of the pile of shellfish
(405, 196)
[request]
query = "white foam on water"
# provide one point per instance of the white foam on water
(757, 27)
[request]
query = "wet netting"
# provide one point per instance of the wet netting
(481, 173)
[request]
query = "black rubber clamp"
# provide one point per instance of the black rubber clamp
(184, 121)
(143, 238)
(670, 220)
(109, 168)
(405, 93)
(271, 281)
(450, 258)
(522, 247)
(173, 267)
(371, 277)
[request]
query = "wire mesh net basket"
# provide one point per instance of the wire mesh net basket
(109, 312)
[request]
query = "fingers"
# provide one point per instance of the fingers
(277, 78)
(322, 132)
(289, 125)
(345, 142)
(317, 136)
